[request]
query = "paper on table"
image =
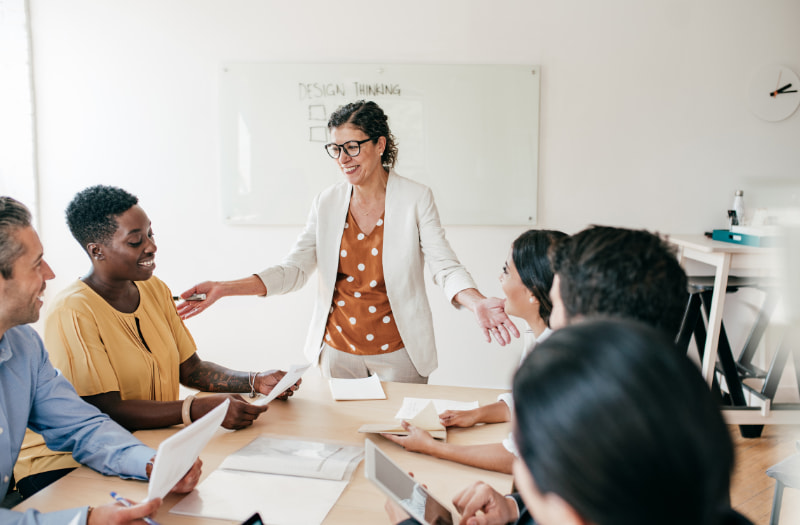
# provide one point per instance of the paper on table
(296, 457)
(294, 373)
(426, 419)
(350, 389)
(413, 405)
(281, 500)
(176, 454)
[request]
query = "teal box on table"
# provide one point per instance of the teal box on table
(743, 238)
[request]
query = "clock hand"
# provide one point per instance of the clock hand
(783, 90)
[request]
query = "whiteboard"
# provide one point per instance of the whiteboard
(469, 132)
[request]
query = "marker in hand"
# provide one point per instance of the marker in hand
(127, 503)
(193, 297)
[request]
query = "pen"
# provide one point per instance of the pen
(127, 503)
(193, 297)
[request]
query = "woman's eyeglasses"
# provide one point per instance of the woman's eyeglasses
(352, 147)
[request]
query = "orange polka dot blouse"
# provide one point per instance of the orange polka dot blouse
(361, 320)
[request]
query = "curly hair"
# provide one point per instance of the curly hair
(369, 118)
(91, 216)
(622, 273)
(530, 254)
(13, 216)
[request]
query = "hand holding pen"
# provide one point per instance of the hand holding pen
(198, 298)
(127, 513)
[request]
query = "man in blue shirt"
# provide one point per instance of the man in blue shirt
(33, 394)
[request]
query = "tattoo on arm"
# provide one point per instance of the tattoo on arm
(210, 377)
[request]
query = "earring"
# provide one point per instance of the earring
(530, 299)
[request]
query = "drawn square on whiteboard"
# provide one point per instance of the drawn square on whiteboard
(318, 134)
(317, 112)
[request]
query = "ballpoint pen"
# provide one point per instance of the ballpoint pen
(127, 503)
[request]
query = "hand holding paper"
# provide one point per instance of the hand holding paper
(427, 419)
(176, 456)
(414, 405)
(292, 376)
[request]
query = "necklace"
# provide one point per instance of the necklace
(357, 205)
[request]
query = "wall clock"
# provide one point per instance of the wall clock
(774, 93)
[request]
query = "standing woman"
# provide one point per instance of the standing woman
(368, 236)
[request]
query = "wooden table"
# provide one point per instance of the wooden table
(724, 257)
(310, 413)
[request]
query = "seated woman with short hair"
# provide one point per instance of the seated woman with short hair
(116, 335)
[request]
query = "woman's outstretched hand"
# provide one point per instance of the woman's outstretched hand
(190, 308)
(491, 316)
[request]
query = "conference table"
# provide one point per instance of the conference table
(312, 414)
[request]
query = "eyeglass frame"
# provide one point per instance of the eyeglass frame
(341, 147)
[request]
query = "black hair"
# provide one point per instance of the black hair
(619, 424)
(13, 217)
(529, 252)
(622, 273)
(369, 118)
(91, 216)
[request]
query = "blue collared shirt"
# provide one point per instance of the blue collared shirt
(34, 394)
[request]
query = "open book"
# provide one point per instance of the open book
(426, 419)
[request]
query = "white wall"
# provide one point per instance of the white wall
(644, 123)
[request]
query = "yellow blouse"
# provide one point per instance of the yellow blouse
(100, 349)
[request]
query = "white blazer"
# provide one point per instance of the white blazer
(412, 235)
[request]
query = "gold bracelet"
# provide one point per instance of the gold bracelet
(186, 411)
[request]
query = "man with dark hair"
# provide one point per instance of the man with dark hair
(33, 394)
(617, 272)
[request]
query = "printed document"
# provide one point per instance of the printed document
(414, 405)
(295, 457)
(176, 454)
(351, 389)
(278, 477)
(426, 419)
(294, 373)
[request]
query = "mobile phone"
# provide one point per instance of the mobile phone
(255, 519)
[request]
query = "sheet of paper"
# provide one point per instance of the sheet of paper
(294, 373)
(350, 389)
(176, 454)
(295, 457)
(281, 500)
(426, 419)
(413, 405)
